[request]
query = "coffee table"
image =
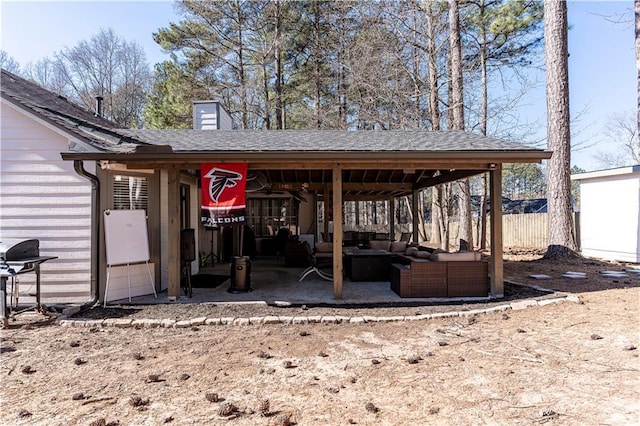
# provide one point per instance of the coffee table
(367, 264)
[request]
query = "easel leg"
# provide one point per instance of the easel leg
(106, 289)
(3, 302)
(153, 286)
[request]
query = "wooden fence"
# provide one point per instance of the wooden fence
(518, 230)
(527, 230)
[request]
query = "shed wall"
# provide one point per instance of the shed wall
(610, 217)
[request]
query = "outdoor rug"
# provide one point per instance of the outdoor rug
(207, 280)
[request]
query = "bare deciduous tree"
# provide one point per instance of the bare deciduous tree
(622, 131)
(8, 63)
(105, 65)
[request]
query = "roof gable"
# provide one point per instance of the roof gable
(58, 111)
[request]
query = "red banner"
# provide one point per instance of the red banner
(223, 193)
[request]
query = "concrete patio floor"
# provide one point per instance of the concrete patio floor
(272, 283)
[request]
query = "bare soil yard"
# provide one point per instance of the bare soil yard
(562, 364)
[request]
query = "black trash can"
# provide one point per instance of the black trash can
(240, 275)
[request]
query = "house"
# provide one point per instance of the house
(42, 196)
(158, 170)
(610, 213)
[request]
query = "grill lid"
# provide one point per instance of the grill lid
(19, 249)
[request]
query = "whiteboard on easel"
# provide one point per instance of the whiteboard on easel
(125, 236)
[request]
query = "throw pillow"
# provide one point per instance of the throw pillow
(380, 244)
(398, 246)
(411, 251)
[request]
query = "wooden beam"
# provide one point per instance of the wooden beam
(173, 230)
(337, 232)
(368, 197)
(386, 164)
(448, 177)
(497, 264)
(309, 164)
(346, 186)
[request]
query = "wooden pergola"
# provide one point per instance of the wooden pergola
(353, 165)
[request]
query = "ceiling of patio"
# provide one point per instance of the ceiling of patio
(358, 184)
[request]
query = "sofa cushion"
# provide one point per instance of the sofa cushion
(465, 256)
(398, 246)
(380, 245)
(423, 255)
(411, 251)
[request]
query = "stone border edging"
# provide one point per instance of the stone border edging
(315, 319)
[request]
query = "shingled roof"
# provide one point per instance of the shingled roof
(284, 156)
(321, 140)
(62, 113)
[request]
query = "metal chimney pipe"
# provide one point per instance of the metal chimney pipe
(99, 106)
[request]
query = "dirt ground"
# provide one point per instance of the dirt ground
(561, 364)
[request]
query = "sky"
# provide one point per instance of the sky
(602, 73)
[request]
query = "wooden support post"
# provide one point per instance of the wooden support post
(337, 232)
(495, 196)
(173, 230)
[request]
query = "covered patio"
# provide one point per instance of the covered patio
(332, 166)
(273, 284)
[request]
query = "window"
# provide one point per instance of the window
(130, 192)
(266, 215)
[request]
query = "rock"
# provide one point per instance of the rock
(370, 407)
(414, 359)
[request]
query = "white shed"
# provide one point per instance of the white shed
(610, 213)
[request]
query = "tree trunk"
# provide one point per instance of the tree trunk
(483, 129)
(436, 211)
(317, 78)
(242, 78)
(558, 127)
(465, 230)
(434, 112)
(280, 123)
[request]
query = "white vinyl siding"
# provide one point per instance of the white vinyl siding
(42, 197)
(610, 215)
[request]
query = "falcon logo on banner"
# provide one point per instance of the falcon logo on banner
(223, 194)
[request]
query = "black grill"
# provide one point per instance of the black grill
(19, 257)
(19, 249)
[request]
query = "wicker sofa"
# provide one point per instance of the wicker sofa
(440, 275)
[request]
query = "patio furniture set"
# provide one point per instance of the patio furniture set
(414, 272)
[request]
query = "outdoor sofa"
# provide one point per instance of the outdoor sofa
(419, 273)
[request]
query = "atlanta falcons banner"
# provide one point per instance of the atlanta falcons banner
(223, 193)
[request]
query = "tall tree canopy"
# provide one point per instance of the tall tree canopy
(341, 65)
